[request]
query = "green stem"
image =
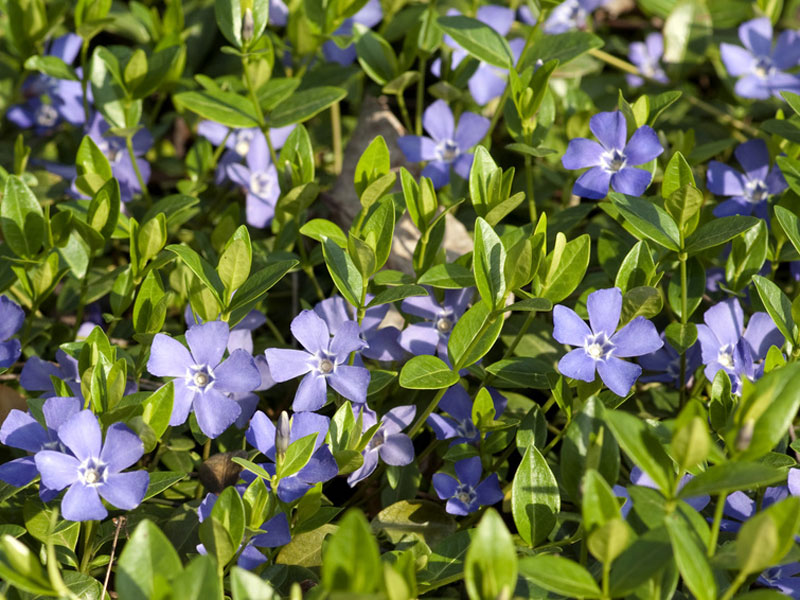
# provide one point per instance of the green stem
(272, 154)
(401, 102)
(85, 79)
(88, 545)
(712, 539)
(426, 413)
(606, 571)
(135, 162)
(252, 93)
(336, 133)
(275, 331)
(420, 96)
(737, 583)
(529, 187)
(684, 317)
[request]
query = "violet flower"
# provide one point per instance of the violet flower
(782, 578)
(458, 426)
(116, 152)
(369, 16)
(488, 82)
(278, 13)
(323, 362)
(11, 319)
(749, 192)
(21, 430)
(94, 468)
(725, 343)
(272, 442)
(526, 16)
(431, 335)
(64, 96)
(388, 443)
(601, 349)
(380, 343)
(760, 67)
(612, 160)
(646, 56)
(666, 364)
(448, 146)
(739, 507)
(36, 374)
(202, 378)
(467, 493)
(260, 179)
(639, 477)
(569, 15)
(276, 533)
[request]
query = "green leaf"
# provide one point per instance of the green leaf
(222, 532)
(490, 567)
(147, 558)
(690, 558)
(200, 267)
(747, 256)
(157, 409)
(408, 520)
(718, 231)
(229, 20)
(375, 55)
(259, 283)
(677, 175)
(684, 205)
(450, 276)
(199, 580)
(319, 229)
(730, 476)
(344, 272)
(247, 586)
(395, 293)
(790, 224)
(648, 219)
(426, 372)
(636, 439)
(777, 304)
(473, 335)
(21, 568)
(521, 371)
(297, 456)
(162, 480)
(351, 562)
(488, 262)
(373, 164)
(535, 500)
(567, 266)
(562, 47)
(640, 561)
(52, 66)
(21, 218)
(235, 261)
(560, 575)
(109, 91)
(479, 40)
(765, 538)
(304, 105)
(637, 269)
(149, 310)
(226, 108)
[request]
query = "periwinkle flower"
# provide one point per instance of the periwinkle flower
(94, 468)
(612, 160)
(726, 344)
(646, 56)
(272, 442)
(388, 443)
(760, 67)
(21, 430)
(487, 82)
(749, 191)
(639, 477)
(571, 14)
(458, 426)
(782, 578)
(64, 97)
(431, 335)
(276, 534)
(467, 493)
(36, 374)
(448, 146)
(526, 16)
(369, 16)
(278, 13)
(666, 364)
(202, 379)
(602, 347)
(116, 151)
(11, 319)
(260, 178)
(739, 507)
(380, 342)
(323, 362)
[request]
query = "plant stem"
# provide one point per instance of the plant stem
(336, 133)
(420, 96)
(85, 79)
(401, 102)
(426, 413)
(88, 546)
(135, 162)
(712, 539)
(737, 583)
(684, 317)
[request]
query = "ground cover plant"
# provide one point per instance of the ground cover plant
(395, 299)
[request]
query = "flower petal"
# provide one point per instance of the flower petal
(419, 338)
(582, 153)
(756, 35)
(18, 472)
(82, 435)
(723, 180)
(82, 503)
(726, 320)
(787, 50)
(168, 357)
(438, 172)
(238, 374)
(215, 412)
(277, 533)
(438, 121)
(21, 430)
(311, 393)
(737, 60)
(469, 470)
(568, 327)
(125, 490)
(637, 338)
(311, 331)
(350, 382)
(417, 148)
(397, 450)
(578, 365)
(445, 485)
(285, 364)
(57, 410)
(366, 469)
(631, 181)
(488, 491)
(261, 434)
(398, 419)
(306, 423)
(610, 128)
(58, 470)
(183, 398)
(751, 86)
(592, 184)
(346, 340)
(761, 333)
(122, 448)
(604, 307)
(754, 158)
(643, 146)
(12, 318)
(470, 131)
(207, 342)
(618, 375)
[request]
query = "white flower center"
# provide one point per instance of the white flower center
(242, 142)
(466, 493)
(46, 115)
(598, 347)
(725, 357)
(444, 325)
(756, 191)
(260, 184)
(763, 67)
(326, 366)
(199, 378)
(613, 160)
(447, 150)
(92, 472)
(111, 148)
(467, 430)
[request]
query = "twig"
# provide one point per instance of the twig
(118, 521)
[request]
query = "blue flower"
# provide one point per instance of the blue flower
(467, 493)
(458, 425)
(571, 14)
(647, 56)
(388, 443)
(602, 347)
(666, 364)
(36, 374)
(448, 146)
(612, 160)
(760, 67)
(11, 319)
(369, 16)
(430, 336)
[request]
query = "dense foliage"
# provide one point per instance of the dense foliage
(389, 299)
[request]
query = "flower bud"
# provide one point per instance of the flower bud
(282, 433)
(248, 25)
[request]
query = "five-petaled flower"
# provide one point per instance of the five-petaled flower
(571, 14)
(749, 192)
(369, 15)
(260, 178)
(11, 318)
(388, 443)
(202, 379)
(647, 56)
(761, 69)
(447, 145)
(94, 468)
(601, 349)
(726, 344)
(467, 493)
(323, 362)
(431, 335)
(612, 160)
(458, 426)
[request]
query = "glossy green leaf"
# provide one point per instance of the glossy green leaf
(427, 372)
(535, 500)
